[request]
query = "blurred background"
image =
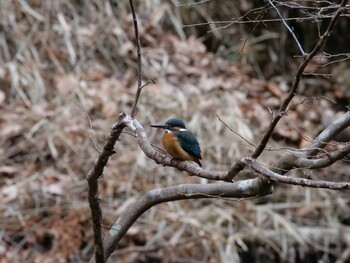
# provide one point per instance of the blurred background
(69, 67)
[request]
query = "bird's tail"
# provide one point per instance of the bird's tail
(197, 161)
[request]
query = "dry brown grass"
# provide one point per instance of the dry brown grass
(61, 60)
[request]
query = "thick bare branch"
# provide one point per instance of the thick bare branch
(262, 145)
(241, 189)
(260, 169)
(94, 174)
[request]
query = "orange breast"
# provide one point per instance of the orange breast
(173, 147)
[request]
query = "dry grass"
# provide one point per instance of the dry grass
(62, 60)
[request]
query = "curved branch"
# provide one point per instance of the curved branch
(262, 145)
(257, 167)
(241, 189)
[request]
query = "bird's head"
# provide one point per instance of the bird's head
(171, 125)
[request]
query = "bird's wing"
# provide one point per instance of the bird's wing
(189, 143)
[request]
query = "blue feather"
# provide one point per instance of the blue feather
(189, 143)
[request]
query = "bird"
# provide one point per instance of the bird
(178, 142)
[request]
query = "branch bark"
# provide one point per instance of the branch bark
(332, 157)
(328, 134)
(260, 169)
(94, 174)
(139, 60)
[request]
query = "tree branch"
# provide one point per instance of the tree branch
(317, 163)
(258, 168)
(328, 134)
(94, 174)
(139, 60)
(242, 189)
(97, 171)
(288, 28)
(262, 145)
(301, 159)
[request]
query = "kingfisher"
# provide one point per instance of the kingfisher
(178, 142)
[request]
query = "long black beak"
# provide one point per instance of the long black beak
(160, 126)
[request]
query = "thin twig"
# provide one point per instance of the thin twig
(238, 20)
(288, 28)
(272, 20)
(139, 60)
(191, 4)
(240, 136)
(261, 14)
(293, 106)
(296, 82)
(147, 83)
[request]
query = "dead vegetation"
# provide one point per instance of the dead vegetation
(68, 67)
